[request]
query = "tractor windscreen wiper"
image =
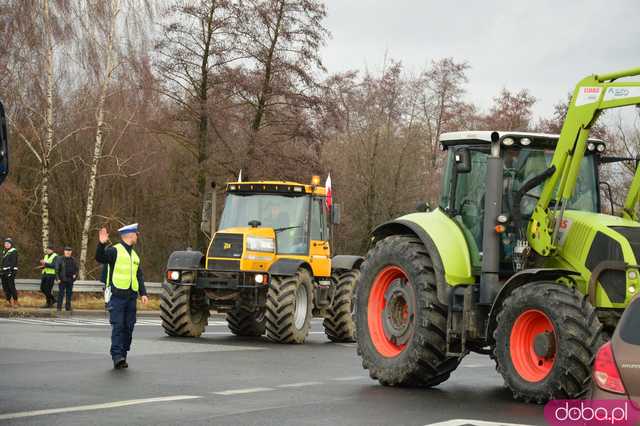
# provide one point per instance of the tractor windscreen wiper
(286, 228)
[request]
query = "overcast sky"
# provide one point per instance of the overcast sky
(543, 45)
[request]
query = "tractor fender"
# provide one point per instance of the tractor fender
(185, 260)
(444, 242)
(345, 262)
(288, 267)
(519, 279)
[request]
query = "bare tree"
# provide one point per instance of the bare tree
(35, 121)
(283, 40)
(442, 99)
(103, 49)
(510, 111)
(197, 40)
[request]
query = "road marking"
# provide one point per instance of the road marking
(471, 422)
(115, 404)
(299, 385)
(346, 379)
(477, 366)
(242, 391)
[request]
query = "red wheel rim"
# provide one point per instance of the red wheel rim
(376, 309)
(530, 364)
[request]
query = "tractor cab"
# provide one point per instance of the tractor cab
(263, 222)
(524, 156)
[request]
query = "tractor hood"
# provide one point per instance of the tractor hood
(586, 239)
(230, 247)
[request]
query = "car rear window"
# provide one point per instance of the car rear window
(630, 323)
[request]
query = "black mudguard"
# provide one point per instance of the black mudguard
(288, 267)
(345, 262)
(185, 260)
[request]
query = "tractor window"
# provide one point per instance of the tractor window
(288, 215)
(469, 196)
(317, 222)
(520, 165)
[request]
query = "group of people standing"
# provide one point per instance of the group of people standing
(65, 270)
(54, 267)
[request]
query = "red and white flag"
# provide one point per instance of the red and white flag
(327, 187)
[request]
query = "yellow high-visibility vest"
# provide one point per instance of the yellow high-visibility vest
(125, 270)
(49, 259)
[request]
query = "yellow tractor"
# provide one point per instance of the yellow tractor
(268, 267)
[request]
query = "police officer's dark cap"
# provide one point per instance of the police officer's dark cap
(8, 240)
(68, 248)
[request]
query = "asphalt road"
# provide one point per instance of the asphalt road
(57, 371)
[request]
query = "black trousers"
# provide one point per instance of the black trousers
(9, 287)
(46, 286)
(65, 289)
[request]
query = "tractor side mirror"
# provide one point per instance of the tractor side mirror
(336, 214)
(463, 160)
(4, 146)
(423, 207)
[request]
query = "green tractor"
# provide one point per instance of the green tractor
(516, 262)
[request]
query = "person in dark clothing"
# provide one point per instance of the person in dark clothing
(125, 282)
(8, 271)
(48, 266)
(67, 271)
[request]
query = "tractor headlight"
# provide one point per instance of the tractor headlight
(591, 146)
(173, 275)
(261, 244)
(600, 147)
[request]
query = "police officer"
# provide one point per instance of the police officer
(8, 270)
(48, 265)
(125, 281)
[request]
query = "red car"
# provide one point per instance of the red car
(616, 369)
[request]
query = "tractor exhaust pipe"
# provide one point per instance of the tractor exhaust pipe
(489, 280)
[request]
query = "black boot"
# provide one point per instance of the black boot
(119, 363)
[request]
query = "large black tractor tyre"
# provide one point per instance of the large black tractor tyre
(183, 310)
(289, 307)
(246, 323)
(400, 325)
(338, 325)
(545, 341)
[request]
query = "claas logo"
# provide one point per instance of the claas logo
(227, 246)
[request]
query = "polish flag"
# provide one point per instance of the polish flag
(327, 187)
(240, 176)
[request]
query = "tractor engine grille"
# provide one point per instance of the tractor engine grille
(614, 282)
(226, 245)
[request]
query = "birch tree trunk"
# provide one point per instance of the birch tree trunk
(45, 163)
(99, 141)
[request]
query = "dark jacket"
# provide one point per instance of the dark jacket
(66, 269)
(9, 263)
(107, 255)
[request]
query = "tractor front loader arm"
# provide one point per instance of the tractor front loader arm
(630, 203)
(591, 96)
